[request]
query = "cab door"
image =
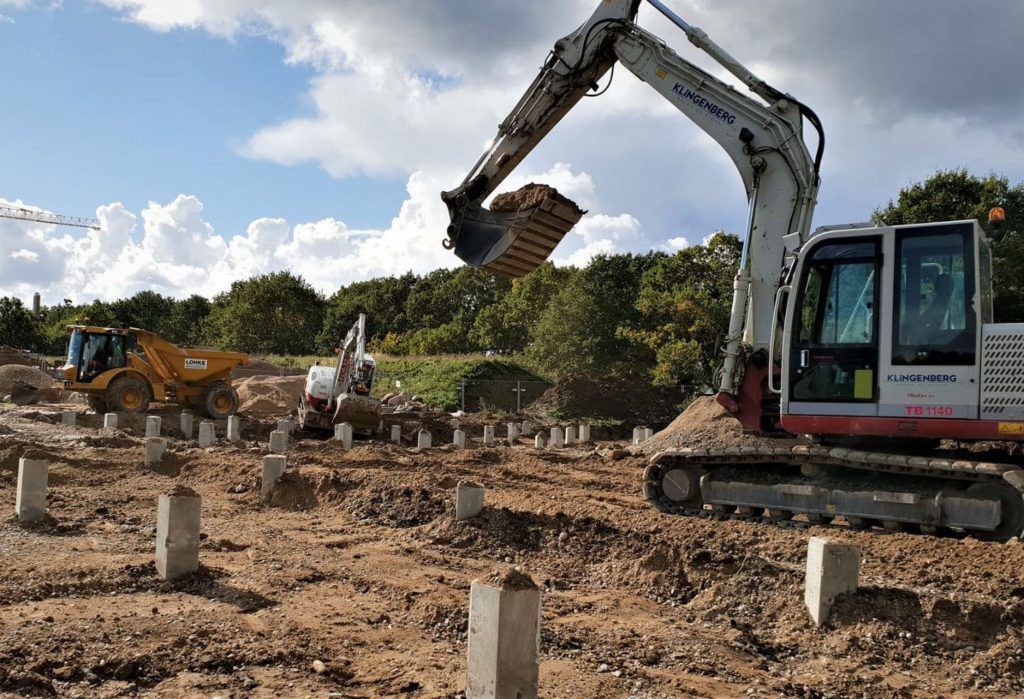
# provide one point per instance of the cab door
(833, 356)
(100, 352)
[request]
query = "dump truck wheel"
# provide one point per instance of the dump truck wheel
(98, 404)
(128, 395)
(220, 401)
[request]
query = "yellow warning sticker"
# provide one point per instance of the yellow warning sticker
(863, 384)
(661, 73)
(1011, 428)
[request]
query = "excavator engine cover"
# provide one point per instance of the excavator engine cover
(517, 233)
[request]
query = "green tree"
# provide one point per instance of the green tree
(184, 324)
(146, 310)
(53, 336)
(17, 326)
(955, 195)
(458, 295)
(270, 314)
(684, 302)
(382, 300)
(442, 307)
(449, 338)
(567, 336)
(578, 332)
(507, 325)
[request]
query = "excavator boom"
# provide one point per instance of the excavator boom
(762, 134)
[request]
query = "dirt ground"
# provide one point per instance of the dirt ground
(358, 564)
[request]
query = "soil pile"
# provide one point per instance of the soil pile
(269, 396)
(528, 197)
(708, 425)
(12, 355)
(257, 367)
(13, 374)
(634, 402)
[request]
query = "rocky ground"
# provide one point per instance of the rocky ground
(354, 581)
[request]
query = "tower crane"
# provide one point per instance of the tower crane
(20, 213)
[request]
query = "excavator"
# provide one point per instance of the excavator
(342, 393)
(873, 342)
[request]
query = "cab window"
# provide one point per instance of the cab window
(839, 296)
(935, 313)
(835, 356)
(100, 353)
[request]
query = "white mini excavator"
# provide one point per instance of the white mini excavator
(333, 395)
(875, 341)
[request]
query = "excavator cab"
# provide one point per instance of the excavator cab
(884, 334)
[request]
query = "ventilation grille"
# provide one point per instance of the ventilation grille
(1002, 372)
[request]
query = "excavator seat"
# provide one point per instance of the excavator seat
(512, 243)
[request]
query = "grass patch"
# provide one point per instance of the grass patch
(435, 379)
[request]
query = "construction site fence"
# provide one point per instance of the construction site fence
(501, 395)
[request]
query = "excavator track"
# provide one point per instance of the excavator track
(896, 492)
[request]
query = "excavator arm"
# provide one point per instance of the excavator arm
(763, 137)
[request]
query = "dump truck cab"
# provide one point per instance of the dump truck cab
(91, 354)
(124, 369)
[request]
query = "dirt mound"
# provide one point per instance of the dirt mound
(12, 355)
(398, 507)
(630, 400)
(269, 396)
(705, 424)
(257, 367)
(529, 196)
(12, 374)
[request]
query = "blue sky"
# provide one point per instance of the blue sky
(218, 139)
(100, 109)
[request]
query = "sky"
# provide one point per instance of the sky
(218, 139)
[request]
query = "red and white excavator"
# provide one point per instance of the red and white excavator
(342, 393)
(875, 341)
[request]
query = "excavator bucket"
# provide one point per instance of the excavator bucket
(517, 233)
(24, 394)
(361, 412)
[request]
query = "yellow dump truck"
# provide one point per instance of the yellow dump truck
(122, 370)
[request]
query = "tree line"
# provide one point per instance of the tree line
(656, 315)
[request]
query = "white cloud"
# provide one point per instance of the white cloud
(27, 255)
(408, 88)
(602, 235)
(365, 126)
(176, 252)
